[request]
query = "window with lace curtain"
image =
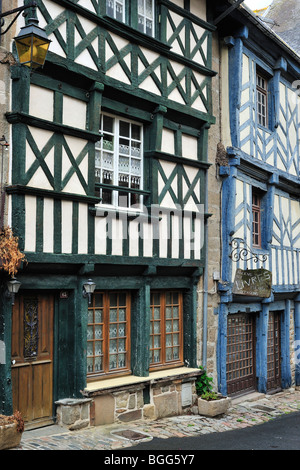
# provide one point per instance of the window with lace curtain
(146, 16)
(119, 162)
(166, 329)
(140, 13)
(108, 334)
(116, 9)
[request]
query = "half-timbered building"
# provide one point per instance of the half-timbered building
(108, 189)
(258, 326)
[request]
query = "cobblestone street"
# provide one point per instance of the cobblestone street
(246, 411)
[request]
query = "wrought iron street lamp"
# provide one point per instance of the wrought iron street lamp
(32, 45)
(88, 289)
(13, 287)
(32, 42)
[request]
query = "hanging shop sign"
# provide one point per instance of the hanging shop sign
(253, 282)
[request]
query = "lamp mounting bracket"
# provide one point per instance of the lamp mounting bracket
(18, 10)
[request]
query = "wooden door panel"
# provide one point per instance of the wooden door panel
(21, 391)
(240, 360)
(32, 356)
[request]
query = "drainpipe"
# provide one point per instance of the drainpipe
(205, 279)
(205, 274)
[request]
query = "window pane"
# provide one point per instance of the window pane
(165, 332)
(108, 124)
(261, 98)
(113, 300)
(115, 9)
(108, 333)
(256, 219)
(146, 17)
(124, 129)
(118, 161)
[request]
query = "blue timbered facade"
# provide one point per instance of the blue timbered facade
(108, 183)
(258, 326)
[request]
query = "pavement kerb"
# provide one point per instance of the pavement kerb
(245, 411)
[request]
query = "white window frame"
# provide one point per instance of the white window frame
(262, 99)
(146, 18)
(115, 4)
(117, 189)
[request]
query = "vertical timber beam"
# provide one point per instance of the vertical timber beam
(140, 331)
(262, 348)
(286, 376)
(6, 402)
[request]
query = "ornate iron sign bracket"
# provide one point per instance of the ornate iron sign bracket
(244, 253)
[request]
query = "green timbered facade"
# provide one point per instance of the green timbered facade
(108, 182)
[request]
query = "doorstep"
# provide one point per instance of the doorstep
(247, 397)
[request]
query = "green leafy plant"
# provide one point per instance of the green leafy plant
(204, 383)
(210, 396)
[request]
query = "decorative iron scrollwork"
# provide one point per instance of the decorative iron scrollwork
(244, 253)
(31, 336)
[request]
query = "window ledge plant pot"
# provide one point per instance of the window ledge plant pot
(11, 429)
(214, 407)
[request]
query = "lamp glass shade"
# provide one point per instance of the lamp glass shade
(13, 286)
(32, 46)
(89, 286)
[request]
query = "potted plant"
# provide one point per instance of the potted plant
(10, 255)
(210, 403)
(11, 429)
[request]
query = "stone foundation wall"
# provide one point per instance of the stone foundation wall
(73, 413)
(144, 401)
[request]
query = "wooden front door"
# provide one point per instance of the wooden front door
(240, 361)
(32, 358)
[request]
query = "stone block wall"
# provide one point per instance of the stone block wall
(144, 401)
(73, 413)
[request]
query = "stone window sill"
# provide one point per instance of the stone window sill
(120, 383)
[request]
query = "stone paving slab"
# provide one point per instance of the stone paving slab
(243, 413)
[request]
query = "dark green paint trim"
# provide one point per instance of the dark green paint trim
(81, 321)
(91, 233)
(140, 332)
(186, 14)
(94, 108)
(190, 326)
(131, 92)
(19, 132)
(57, 282)
(23, 190)
(6, 406)
(18, 218)
(75, 228)
(58, 128)
(177, 159)
(57, 217)
(20, 88)
(39, 159)
(60, 87)
(134, 36)
(126, 108)
(39, 224)
(75, 163)
(63, 258)
(58, 107)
